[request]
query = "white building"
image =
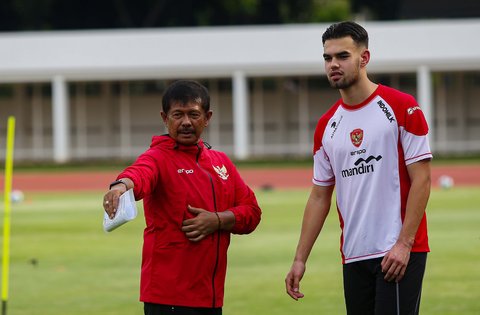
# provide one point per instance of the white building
(97, 94)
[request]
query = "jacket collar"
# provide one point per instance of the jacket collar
(168, 142)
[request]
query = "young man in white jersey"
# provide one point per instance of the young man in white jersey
(372, 146)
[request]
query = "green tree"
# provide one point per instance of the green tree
(103, 14)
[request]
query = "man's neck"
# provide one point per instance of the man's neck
(358, 92)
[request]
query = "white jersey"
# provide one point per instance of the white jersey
(363, 150)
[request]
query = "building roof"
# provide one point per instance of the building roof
(400, 46)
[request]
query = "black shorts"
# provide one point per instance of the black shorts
(367, 293)
(160, 309)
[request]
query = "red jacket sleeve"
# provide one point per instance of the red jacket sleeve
(246, 210)
(144, 173)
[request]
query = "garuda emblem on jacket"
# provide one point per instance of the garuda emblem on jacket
(221, 171)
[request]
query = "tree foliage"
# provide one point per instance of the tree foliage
(18, 15)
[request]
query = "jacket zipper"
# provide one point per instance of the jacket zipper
(218, 232)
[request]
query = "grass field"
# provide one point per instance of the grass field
(63, 263)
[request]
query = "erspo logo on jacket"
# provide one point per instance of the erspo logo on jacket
(184, 171)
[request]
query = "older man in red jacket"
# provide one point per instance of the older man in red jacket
(194, 198)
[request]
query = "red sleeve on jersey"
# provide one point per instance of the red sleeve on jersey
(317, 137)
(321, 126)
(415, 121)
(408, 113)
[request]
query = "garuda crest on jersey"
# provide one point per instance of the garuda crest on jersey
(221, 171)
(356, 136)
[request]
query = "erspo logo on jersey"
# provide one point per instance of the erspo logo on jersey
(362, 166)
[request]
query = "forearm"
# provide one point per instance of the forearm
(416, 203)
(246, 214)
(316, 211)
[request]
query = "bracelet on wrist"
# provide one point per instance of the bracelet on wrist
(219, 221)
(119, 181)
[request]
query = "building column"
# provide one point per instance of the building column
(60, 120)
(125, 121)
(19, 111)
(303, 116)
(461, 116)
(441, 113)
(213, 130)
(37, 122)
(81, 133)
(425, 98)
(258, 117)
(240, 116)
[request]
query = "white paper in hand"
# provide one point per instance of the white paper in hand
(127, 211)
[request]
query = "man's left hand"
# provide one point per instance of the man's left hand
(204, 224)
(395, 262)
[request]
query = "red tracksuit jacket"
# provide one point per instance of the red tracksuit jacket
(169, 177)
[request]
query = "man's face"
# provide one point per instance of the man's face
(186, 122)
(343, 61)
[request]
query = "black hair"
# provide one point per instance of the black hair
(345, 29)
(184, 92)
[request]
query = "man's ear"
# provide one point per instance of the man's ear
(365, 58)
(164, 117)
(209, 116)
